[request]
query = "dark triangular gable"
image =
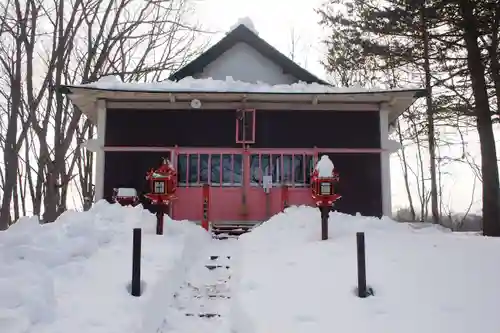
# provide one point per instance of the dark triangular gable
(245, 35)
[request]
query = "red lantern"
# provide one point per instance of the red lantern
(323, 189)
(163, 183)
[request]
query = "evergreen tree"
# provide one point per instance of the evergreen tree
(447, 42)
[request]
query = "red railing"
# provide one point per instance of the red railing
(216, 169)
(291, 169)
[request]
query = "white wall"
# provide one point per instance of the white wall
(388, 147)
(100, 158)
(244, 63)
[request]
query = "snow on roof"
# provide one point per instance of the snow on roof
(247, 22)
(190, 84)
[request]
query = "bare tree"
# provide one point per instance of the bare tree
(12, 32)
(46, 44)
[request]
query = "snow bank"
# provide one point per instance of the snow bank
(73, 274)
(425, 280)
(190, 84)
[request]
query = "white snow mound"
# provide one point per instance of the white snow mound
(72, 275)
(425, 280)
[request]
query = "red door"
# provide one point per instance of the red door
(287, 168)
(222, 169)
(235, 178)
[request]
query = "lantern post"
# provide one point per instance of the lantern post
(323, 181)
(163, 184)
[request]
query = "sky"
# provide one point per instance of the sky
(276, 21)
(281, 21)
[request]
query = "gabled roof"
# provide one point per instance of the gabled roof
(242, 34)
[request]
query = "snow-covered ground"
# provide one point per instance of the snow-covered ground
(72, 275)
(425, 280)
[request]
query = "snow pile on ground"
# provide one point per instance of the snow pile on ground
(73, 274)
(425, 280)
(247, 22)
(190, 84)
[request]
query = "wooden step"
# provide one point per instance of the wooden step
(212, 267)
(232, 230)
(203, 315)
(217, 257)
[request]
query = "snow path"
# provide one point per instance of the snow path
(202, 303)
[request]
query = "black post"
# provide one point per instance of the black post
(360, 241)
(325, 212)
(159, 220)
(135, 287)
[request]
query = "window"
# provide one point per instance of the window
(215, 174)
(204, 168)
(193, 169)
(245, 126)
(326, 189)
(181, 169)
(214, 169)
(237, 169)
(159, 186)
(289, 169)
(299, 168)
(227, 168)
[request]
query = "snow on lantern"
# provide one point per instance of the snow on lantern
(323, 181)
(163, 183)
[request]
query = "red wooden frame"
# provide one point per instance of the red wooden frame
(228, 150)
(205, 207)
(252, 111)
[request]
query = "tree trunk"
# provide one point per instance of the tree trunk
(430, 119)
(10, 153)
(51, 198)
(489, 166)
(405, 174)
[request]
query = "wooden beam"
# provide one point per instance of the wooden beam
(237, 105)
(239, 150)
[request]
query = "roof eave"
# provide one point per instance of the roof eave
(85, 97)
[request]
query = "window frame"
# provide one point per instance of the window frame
(155, 186)
(239, 122)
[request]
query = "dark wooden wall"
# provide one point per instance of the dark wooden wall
(128, 169)
(360, 183)
(217, 128)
